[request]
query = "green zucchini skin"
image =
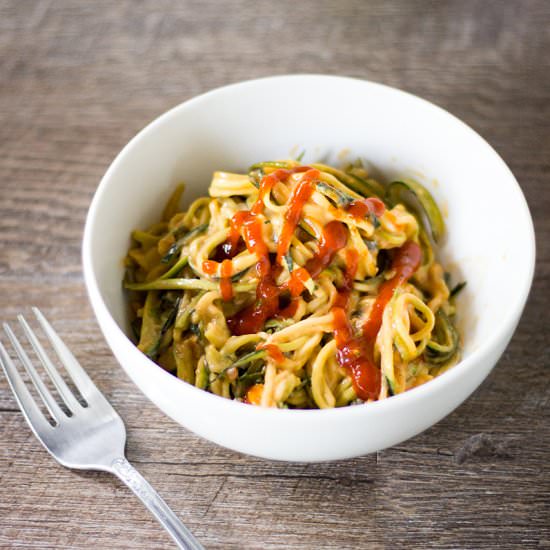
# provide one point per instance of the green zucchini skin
(341, 198)
(183, 317)
(250, 357)
(456, 290)
(236, 277)
(202, 376)
(175, 269)
(157, 331)
(272, 164)
(361, 186)
(185, 284)
(443, 347)
(418, 199)
(175, 249)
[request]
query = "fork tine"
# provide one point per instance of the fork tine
(64, 392)
(53, 408)
(80, 377)
(34, 417)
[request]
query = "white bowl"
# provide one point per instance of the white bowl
(490, 242)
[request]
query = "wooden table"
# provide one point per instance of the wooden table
(77, 80)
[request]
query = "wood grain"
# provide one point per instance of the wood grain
(77, 80)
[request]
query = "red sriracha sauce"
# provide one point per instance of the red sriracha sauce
(209, 267)
(299, 196)
(254, 394)
(296, 283)
(405, 263)
(226, 287)
(355, 354)
(269, 181)
(333, 239)
(361, 208)
(273, 351)
(252, 318)
(288, 311)
(352, 261)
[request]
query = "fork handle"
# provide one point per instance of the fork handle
(152, 500)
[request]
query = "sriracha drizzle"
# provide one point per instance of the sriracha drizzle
(405, 263)
(253, 317)
(273, 351)
(333, 239)
(355, 353)
(226, 287)
(372, 205)
(299, 196)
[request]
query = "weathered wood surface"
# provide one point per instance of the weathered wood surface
(77, 80)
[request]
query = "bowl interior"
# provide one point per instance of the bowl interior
(489, 240)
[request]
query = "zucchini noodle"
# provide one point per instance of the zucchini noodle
(296, 286)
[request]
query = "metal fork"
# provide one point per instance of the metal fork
(91, 435)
